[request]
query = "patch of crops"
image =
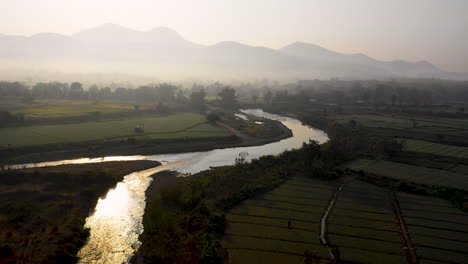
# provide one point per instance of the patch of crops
(435, 148)
(355, 255)
(437, 235)
(154, 127)
(411, 173)
(247, 256)
(281, 226)
(69, 109)
(277, 213)
(273, 245)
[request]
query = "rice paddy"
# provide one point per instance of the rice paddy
(434, 148)
(411, 173)
(367, 225)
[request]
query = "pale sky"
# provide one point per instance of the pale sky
(434, 30)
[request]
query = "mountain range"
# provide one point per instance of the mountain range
(164, 50)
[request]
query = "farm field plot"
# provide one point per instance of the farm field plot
(439, 232)
(411, 173)
(155, 128)
(363, 225)
(447, 126)
(60, 109)
(257, 230)
(367, 224)
(434, 148)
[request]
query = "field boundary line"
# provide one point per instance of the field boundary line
(280, 201)
(443, 249)
(270, 238)
(442, 238)
(363, 227)
(368, 219)
(366, 238)
(293, 196)
(432, 227)
(271, 251)
(432, 219)
(284, 218)
(278, 208)
(278, 226)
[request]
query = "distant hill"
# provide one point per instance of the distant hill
(163, 49)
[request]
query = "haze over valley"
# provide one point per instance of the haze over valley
(161, 53)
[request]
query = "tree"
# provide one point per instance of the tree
(76, 90)
(166, 92)
(198, 99)
(212, 117)
(94, 94)
(228, 97)
(267, 97)
(241, 158)
(254, 98)
(161, 108)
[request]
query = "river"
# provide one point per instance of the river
(116, 222)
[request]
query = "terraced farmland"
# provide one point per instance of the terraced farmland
(257, 230)
(411, 173)
(367, 224)
(434, 148)
(363, 225)
(439, 232)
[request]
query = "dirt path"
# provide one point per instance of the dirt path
(410, 252)
(234, 131)
(332, 250)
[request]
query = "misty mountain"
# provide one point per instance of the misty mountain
(164, 49)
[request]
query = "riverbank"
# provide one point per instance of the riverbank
(43, 210)
(148, 147)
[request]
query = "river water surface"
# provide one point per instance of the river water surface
(116, 222)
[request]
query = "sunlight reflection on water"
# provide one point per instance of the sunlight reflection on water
(116, 222)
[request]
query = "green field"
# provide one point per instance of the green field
(434, 148)
(177, 126)
(363, 226)
(257, 230)
(64, 109)
(435, 126)
(411, 173)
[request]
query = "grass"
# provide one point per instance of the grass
(434, 148)
(155, 128)
(64, 109)
(411, 173)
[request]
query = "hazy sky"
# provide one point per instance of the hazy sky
(435, 30)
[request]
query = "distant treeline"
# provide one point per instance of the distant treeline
(396, 93)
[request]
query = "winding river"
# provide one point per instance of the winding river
(116, 222)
